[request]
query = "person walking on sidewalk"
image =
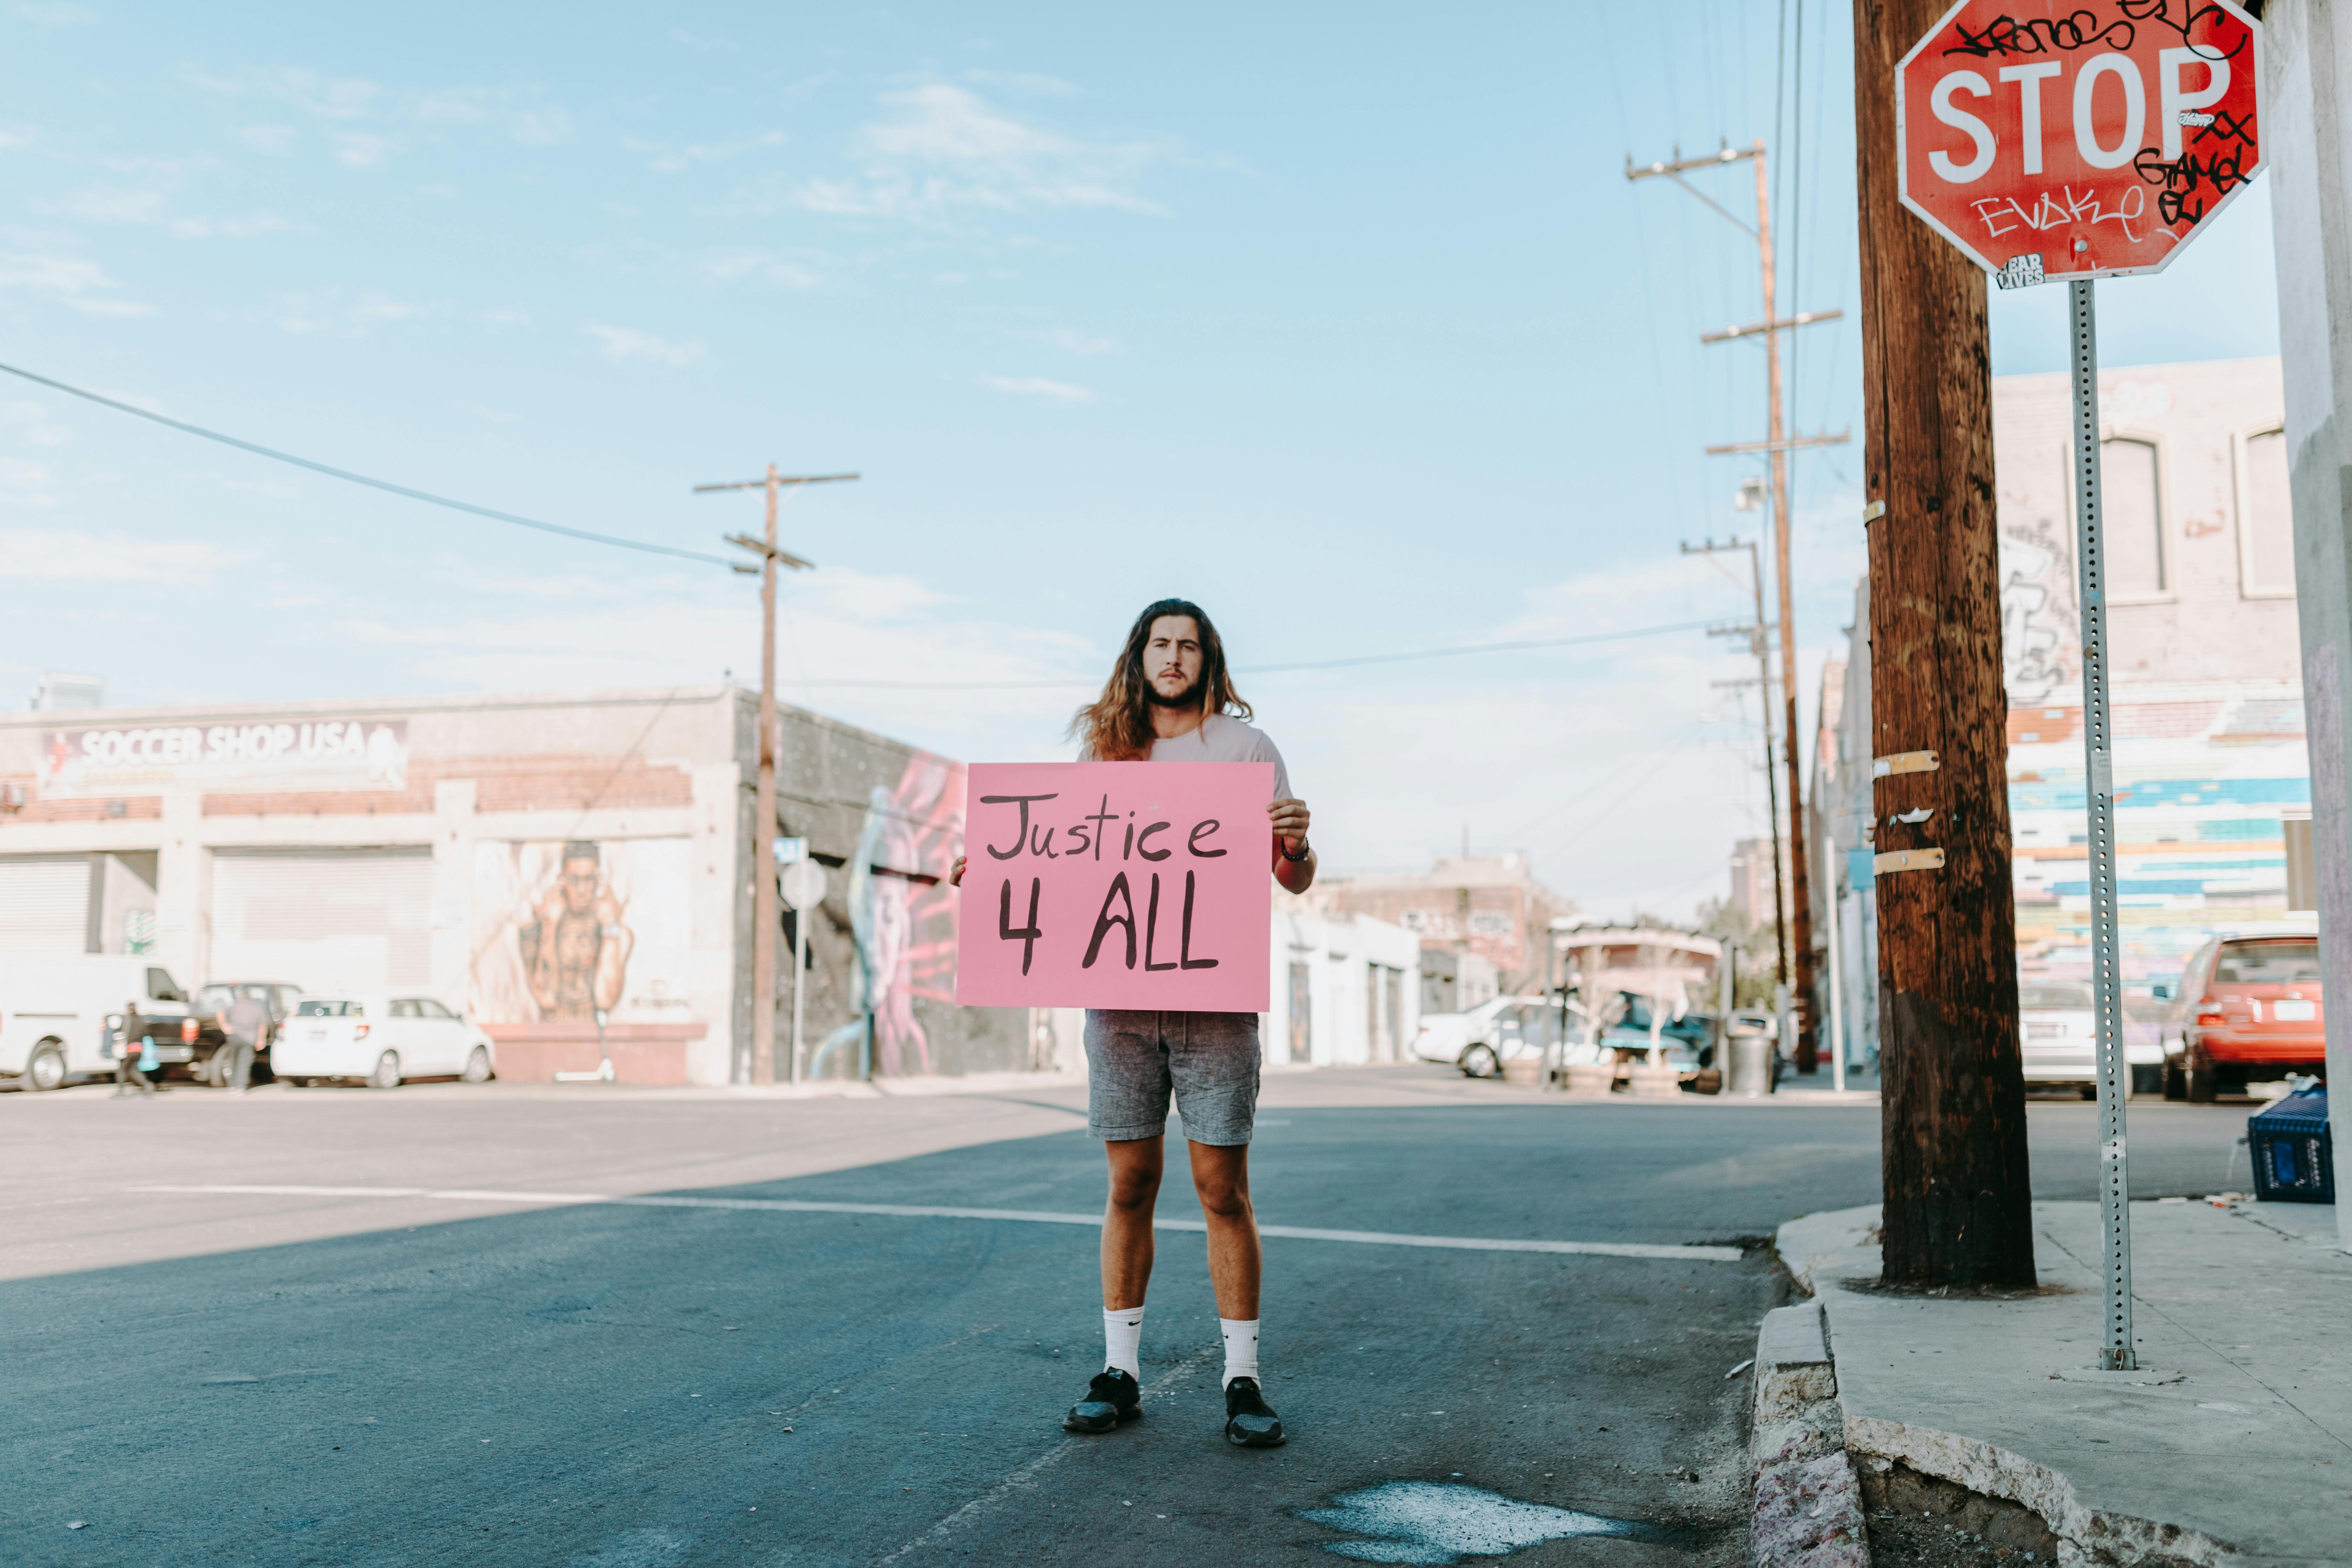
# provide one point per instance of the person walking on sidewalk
(134, 1051)
(1170, 697)
(246, 1022)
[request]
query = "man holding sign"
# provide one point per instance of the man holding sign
(1177, 864)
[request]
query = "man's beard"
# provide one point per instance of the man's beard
(1188, 697)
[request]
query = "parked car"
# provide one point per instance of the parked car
(2249, 1010)
(58, 1015)
(1504, 1029)
(2058, 1034)
(279, 996)
(382, 1041)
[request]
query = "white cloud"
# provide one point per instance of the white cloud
(348, 312)
(328, 97)
(119, 205)
(1067, 393)
(69, 280)
(361, 149)
(53, 14)
(941, 148)
(732, 266)
(1073, 343)
(564, 631)
(669, 160)
(34, 423)
(540, 127)
(628, 343)
(275, 140)
(69, 555)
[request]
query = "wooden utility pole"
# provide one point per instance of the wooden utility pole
(1777, 445)
(765, 919)
(1800, 882)
(1958, 1189)
(1759, 643)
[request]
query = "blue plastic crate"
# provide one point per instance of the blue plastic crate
(2294, 1163)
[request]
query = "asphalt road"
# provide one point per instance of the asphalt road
(368, 1378)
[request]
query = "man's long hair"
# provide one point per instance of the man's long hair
(1117, 726)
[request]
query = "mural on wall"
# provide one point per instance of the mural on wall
(577, 931)
(903, 929)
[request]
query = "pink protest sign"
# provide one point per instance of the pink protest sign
(1125, 885)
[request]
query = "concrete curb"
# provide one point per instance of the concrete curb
(1807, 1504)
(2086, 1536)
(1821, 1250)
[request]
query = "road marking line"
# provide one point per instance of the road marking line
(1053, 1456)
(1692, 1254)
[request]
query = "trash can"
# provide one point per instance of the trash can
(1751, 1066)
(2294, 1163)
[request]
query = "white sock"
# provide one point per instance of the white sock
(1123, 1341)
(1241, 1347)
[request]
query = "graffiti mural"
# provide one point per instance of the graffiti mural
(578, 930)
(902, 923)
(2034, 603)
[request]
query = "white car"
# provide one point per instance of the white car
(2058, 1034)
(380, 1040)
(1508, 1029)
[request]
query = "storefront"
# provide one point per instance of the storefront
(572, 871)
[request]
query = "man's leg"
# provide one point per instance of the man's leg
(1221, 1177)
(1135, 1168)
(240, 1067)
(1127, 1108)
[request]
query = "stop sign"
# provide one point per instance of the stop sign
(2079, 138)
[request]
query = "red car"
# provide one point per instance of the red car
(2249, 1011)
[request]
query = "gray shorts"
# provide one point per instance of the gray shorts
(1209, 1060)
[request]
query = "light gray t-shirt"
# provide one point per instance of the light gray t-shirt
(1222, 738)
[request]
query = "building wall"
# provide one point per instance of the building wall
(461, 819)
(1346, 988)
(1488, 905)
(2206, 700)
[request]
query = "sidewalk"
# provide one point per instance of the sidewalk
(2235, 1438)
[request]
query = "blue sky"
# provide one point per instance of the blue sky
(1343, 321)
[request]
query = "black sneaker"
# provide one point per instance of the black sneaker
(1112, 1400)
(1250, 1422)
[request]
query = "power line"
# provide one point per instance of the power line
(347, 476)
(1282, 668)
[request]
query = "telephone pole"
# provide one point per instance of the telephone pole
(765, 921)
(1760, 642)
(1777, 445)
(1958, 1189)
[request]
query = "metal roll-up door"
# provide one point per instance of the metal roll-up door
(44, 903)
(329, 921)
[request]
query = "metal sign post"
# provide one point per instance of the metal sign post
(801, 883)
(2099, 796)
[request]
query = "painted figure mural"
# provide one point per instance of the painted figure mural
(575, 930)
(576, 948)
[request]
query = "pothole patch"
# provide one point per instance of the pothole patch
(1438, 1523)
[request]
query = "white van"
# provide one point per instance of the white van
(53, 1013)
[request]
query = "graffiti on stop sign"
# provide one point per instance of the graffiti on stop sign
(2078, 140)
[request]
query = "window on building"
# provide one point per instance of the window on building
(2133, 518)
(2266, 518)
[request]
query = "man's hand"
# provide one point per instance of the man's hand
(955, 873)
(1290, 821)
